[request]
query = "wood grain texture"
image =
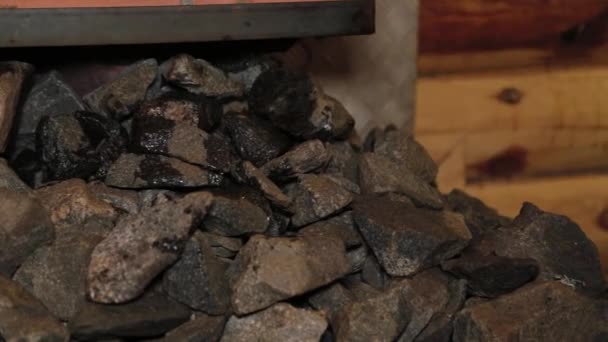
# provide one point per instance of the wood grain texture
(448, 25)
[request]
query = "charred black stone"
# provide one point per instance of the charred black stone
(156, 172)
(256, 140)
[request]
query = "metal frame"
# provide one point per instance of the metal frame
(181, 24)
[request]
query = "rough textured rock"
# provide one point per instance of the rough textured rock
(72, 201)
(331, 299)
(479, 217)
(141, 246)
(56, 274)
(177, 126)
(303, 158)
(373, 274)
(200, 77)
(246, 70)
(50, 95)
(406, 239)
(380, 175)
(133, 171)
(125, 200)
(491, 275)
(377, 316)
(222, 246)
(548, 311)
(356, 258)
(343, 160)
(24, 318)
(268, 270)
(293, 103)
(79, 145)
(257, 179)
(9, 179)
(235, 216)
(120, 97)
(407, 153)
(560, 247)
(149, 316)
(12, 77)
(202, 328)
(330, 229)
(256, 140)
(198, 278)
(25, 227)
(281, 322)
(316, 197)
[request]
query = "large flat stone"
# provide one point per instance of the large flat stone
(406, 239)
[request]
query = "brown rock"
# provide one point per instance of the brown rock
(12, 78)
(331, 299)
(202, 328)
(125, 200)
(406, 239)
(402, 149)
(10, 180)
(380, 175)
(344, 160)
(25, 227)
(281, 322)
(316, 197)
(304, 158)
(200, 77)
(479, 217)
(548, 311)
(257, 179)
(24, 318)
(230, 216)
(268, 270)
(72, 201)
(134, 171)
(333, 229)
(141, 246)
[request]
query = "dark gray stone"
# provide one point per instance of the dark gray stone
(133, 171)
(255, 140)
(549, 311)
(198, 278)
(246, 70)
(356, 258)
(50, 95)
(13, 76)
(79, 145)
(306, 157)
(373, 274)
(235, 216)
(120, 97)
(316, 197)
(152, 315)
(269, 270)
(254, 177)
(402, 149)
(222, 246)
(200, 77)
(25, 227)
(280, 322)
(9, 179)
(379, 175)
(24, 318)
(344, 160)
(479, 217)
(202, 328)
(331, 299)
(406, 239)
(141, 246)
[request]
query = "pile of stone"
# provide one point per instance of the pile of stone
(234, 202)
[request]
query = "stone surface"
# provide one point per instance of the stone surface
(255, 140)
(377, 316)
(124, 200)
(12, 77)
(202, 328)
(141, 246)
(293, 103)
(343, 160)
(222, 246)
(491, 275)
(134, 171)
(380, 175)
(200, 77)
(56, 274)
(479, 217)
(306, 157)
(331, 299)
(281, 322)
(198, 278)
(9, 179)
(25, 227)
(72, 201)
(268, 270)
(79, 145)
(316, 197)
(356, 258)
(149, 316)
(560, 247)
(373, 274)
(50, 95)
(257, 179)
(24, 318)
(406, 239)
(246, 70)
(332, 228)
(120, 97)
(177, 125)
(235, 216)
(407, 153)
(548, 311)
